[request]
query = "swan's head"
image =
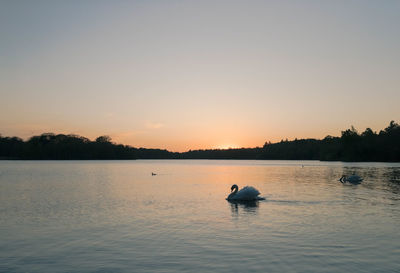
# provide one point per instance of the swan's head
(234, 186)
(343, 178)
(234, 190)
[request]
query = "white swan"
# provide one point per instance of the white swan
(245, 194)
(353, 179)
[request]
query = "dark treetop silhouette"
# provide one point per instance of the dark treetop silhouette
(351, 146)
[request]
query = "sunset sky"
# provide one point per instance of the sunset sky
(183, 75)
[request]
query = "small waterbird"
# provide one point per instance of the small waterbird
(352, 179)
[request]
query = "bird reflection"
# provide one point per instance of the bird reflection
(249, 207)
(393, 180)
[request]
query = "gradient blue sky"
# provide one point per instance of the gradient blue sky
(198, 74)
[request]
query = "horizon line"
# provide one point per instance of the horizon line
(201, 149)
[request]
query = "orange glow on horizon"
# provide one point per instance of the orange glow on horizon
(227, 146)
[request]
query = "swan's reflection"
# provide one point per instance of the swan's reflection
(392, 176)
(249, 207)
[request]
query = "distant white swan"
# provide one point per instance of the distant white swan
(353, 179)
(245, 194)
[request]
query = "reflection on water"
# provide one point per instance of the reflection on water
(246, 206)
(114, 216)
(392, 176)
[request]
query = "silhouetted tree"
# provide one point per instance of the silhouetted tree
(103, 139)
(350, 146)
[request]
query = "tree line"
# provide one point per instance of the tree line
(350, 146)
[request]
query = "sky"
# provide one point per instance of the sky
(182, 75)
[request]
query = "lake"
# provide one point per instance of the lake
(114, 216)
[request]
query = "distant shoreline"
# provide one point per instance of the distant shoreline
(186, 159)
(368, 146)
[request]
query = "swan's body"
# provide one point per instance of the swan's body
(352, 179)
(245, 194)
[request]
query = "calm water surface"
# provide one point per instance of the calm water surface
(114, 216)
